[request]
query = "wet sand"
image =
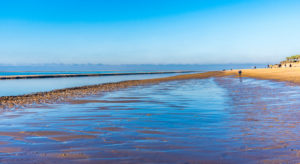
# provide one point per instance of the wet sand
(212, 120)
(9, 102)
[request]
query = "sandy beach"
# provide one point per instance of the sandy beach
(279, 74)
(172, 82)
(174, 120)
(183, 119)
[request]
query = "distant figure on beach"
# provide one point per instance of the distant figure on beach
(240, 75)
(240, 72)
(254, 67)
(279, 66)
(290, 65)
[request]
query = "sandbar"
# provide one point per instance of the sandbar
(9, 102)
(279, 74)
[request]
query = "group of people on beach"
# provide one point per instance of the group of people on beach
(280, 65)
(268, 66)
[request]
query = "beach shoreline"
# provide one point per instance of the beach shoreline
(291, 75)
(8, 102)
(218, 113)
(109, 117)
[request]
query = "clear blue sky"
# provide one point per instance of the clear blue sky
(148, 31)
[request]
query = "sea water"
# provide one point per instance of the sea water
(27, 86)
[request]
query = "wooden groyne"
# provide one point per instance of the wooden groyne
(83, 75)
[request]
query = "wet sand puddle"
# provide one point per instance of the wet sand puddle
(216, 120)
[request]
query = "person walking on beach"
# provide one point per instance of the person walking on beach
(290, 65)
(240, 75)
(240, 72)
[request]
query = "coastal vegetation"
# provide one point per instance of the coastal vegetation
(294, 58)
(290, 61)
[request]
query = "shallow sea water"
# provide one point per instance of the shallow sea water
(16, 87)
(215, 120)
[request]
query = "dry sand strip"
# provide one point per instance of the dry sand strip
(9, 102)
(83, 75)
(279, 74)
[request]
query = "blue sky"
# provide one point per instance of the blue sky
(148, 31)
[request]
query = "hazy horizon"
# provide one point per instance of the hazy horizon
(125, 67)
(148, 32)
(101, 64)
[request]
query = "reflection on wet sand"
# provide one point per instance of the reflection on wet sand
(215, 120)
(100, 101)
(267, 118)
